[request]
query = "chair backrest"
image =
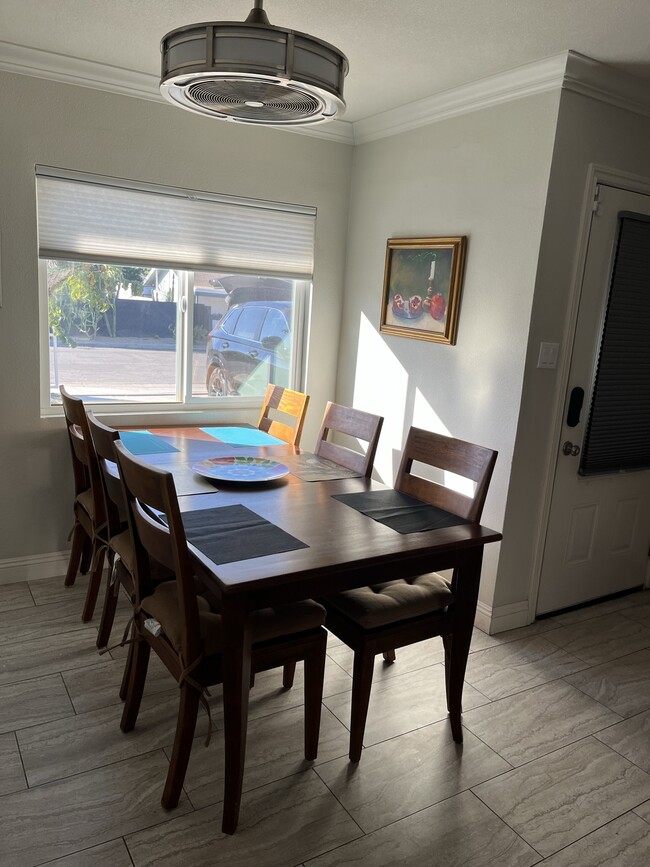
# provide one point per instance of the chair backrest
(148, 488)
(354, 423)
(287, 402)
(103, 438)
(84, 459)
(451, 455)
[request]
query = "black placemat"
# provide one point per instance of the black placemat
(399, 511)
(226, 534)
(313, 468)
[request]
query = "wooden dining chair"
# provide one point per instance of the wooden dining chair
(283, 413)
(393, 614)
(120, 551)
(89, 530)
(352, 423)
(185, 632)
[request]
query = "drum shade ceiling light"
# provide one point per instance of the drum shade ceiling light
(253, 72)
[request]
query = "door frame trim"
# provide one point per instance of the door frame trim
(596, 175)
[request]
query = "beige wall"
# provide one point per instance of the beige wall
(588, 131)
(43, 122)
(483, 175)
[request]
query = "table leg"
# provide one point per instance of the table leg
(465, 588)
(236, 682)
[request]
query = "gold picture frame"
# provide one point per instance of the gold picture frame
(422, 285)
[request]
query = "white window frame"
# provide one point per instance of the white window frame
(185, 403)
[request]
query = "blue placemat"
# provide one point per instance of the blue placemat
(226, 534)
(243, 436)
(399, 511)
(143, 442)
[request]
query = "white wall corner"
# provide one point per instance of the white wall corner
(33, 568)
(501, 618)
(607, 84)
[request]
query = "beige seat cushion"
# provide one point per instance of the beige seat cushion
(266, 624)
(393, 601)
(122, 544)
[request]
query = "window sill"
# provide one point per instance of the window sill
(229, 409)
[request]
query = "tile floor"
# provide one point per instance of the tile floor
(554, 768)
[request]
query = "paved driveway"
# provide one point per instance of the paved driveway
(116, 371)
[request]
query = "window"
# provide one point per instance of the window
(146, 300)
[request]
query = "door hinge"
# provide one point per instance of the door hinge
(595, 205)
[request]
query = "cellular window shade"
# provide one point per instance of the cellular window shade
(618, 430)
(106, 220)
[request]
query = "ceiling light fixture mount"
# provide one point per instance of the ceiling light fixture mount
(253, 72)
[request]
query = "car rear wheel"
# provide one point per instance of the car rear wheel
(219, 383)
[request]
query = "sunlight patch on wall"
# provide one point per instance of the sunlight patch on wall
(380, 387)
(426, 417)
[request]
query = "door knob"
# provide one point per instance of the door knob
(569, 449)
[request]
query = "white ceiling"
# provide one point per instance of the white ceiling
(399, 50)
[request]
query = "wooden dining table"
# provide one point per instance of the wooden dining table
(343, 549)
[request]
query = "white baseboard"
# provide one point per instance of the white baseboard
(34, 567)
(501, 618)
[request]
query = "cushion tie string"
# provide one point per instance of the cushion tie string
(123, 643)
(202, 691)
(112, 581)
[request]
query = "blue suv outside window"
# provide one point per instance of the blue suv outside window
(249, 347)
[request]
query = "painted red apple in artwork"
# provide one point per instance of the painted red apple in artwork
(437, 307)
(415, 305)
(398, 304)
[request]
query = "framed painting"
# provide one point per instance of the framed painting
(422, 284)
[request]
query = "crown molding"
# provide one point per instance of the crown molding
(73, 70)
(523, 81)
(568, 70)
(597, 80)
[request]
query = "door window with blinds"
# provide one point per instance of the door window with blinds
(617, 438)
(156, 295)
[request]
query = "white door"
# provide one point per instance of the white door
(599, 526)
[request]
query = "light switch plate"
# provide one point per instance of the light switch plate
(548, 355)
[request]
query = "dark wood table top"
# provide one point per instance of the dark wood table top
(346, 548)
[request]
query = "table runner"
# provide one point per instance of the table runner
(399, 511)
(226, 534)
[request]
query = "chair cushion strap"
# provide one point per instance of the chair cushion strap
(202, 691)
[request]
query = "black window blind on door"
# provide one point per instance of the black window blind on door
(618, 430)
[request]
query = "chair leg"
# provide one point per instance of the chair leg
(364, 662)
(78, 540)
(93, 584)
(288, 673)
(108, 612)
(187, 712)
(124, 686)
(86, 556)
(137, 678)
(314, 677)
(389, 656)
(446, 643)
(456, 653)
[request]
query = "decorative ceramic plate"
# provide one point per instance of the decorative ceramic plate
(241, 469)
